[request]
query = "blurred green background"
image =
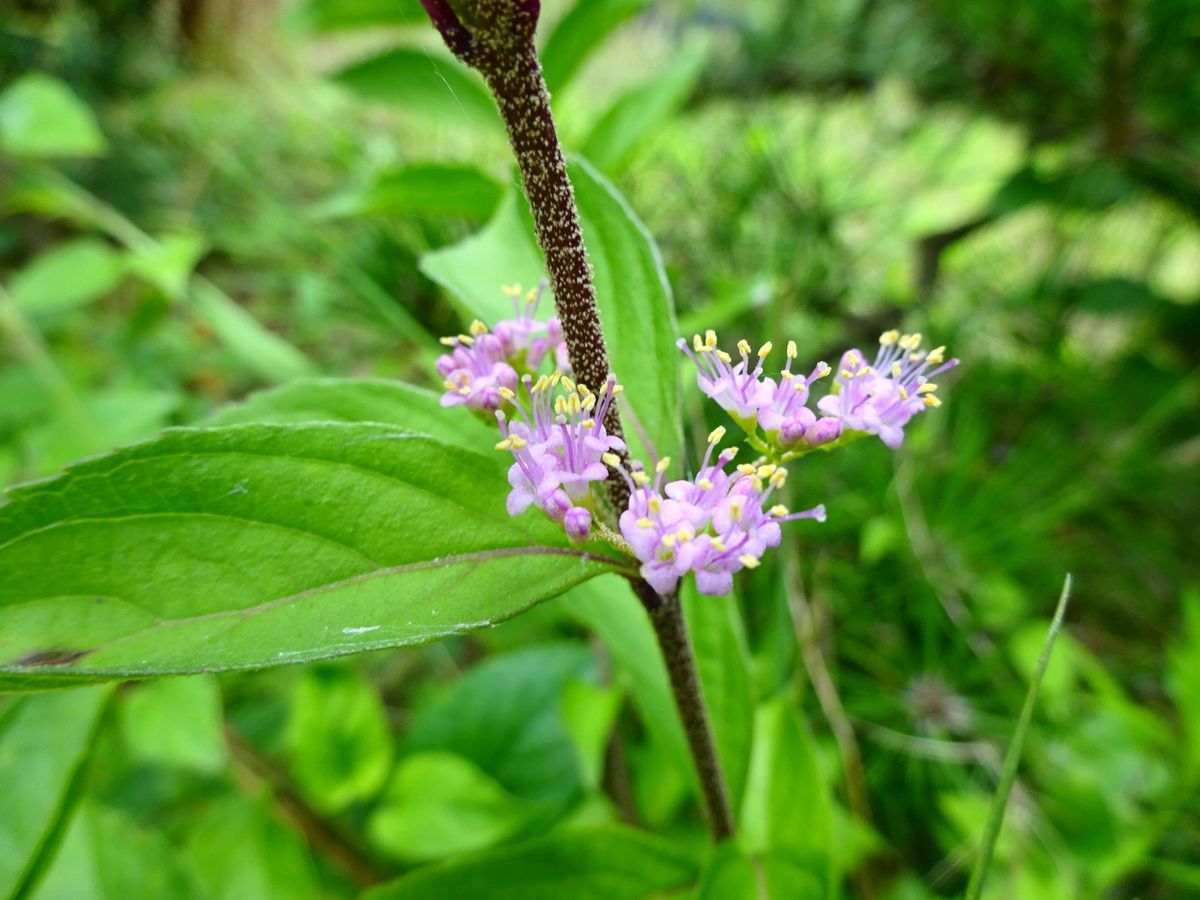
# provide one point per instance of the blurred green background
(203, 198)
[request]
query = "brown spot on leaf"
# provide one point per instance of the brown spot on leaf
(54, 657)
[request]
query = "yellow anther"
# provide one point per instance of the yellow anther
(852, 359)
(560, 405)
(540, 385)
(466, 339)
(765, 349)
(662, 465)
(800, 386)
(589, 402)
(532, 295)
(786, 375)
(823, 369)
(865, 370)
(512, 290)
(779, 478)
(778, 510)
(729, 453)
(584, 390)
(643, 522)
(903, 393)
(518, 442)
(507, 393)
(589, 423)
(618, 389)
(640, 478)
(717, 434)
(718, 545)
(766, 471)
(916, 357)
(937, 355)
(735, 511)
(888, 338)
(683, 535)
(568, 385)
(932, 401)
(669, 540)
(478, 327)
(710, 338)
(905, 342)
(927, 388)
(746, 469)
(450, 385)
(655, 505)
(704, 484)
(449, 341)
(505, 444)
(750, 562)
(556, 376)
(697, 343)
(897, 369)
(916, 341)
(724, 357)
(464, 391)
(611, 459)
(846, 373)
(743, 347)
(573, 404)
(791, 350)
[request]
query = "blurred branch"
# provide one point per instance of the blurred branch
(323, 836)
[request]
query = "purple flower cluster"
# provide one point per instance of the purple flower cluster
(878, 399)
(482, 364)
(882, 397)
(714, 524)
(558, 443)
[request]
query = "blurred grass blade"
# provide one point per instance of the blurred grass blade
(1012, 759)
(580, 32)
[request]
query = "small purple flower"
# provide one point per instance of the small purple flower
(526, 341)
(882, 397)
(713, 525)
(475, 370)
(737, 388)
(786, 419)
(558, 443)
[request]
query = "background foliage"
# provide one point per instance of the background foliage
(202, 200)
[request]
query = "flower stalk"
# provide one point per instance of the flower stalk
(495, 37)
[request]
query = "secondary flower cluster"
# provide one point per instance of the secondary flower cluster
(878, 398)
(483, 363)
(716, 522)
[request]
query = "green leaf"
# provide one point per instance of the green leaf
(1184, 679)
(631, 287)
(41, 117)
(67, 277)
(787, 807)
(435, 85)
(593, 864)
(360, 400)
(505, 715)
(341, 745)
(429, 189)
(637, 114)
(589, 713)
(250, 546)
(168, 262)
(722, 662)
(44, 743)
(578, 33)
(440, 804)
(105, 856)
(263, 351)
(175, 722)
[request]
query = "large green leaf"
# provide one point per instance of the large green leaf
(578, 33)
(250, 546)
(44, 742)
(594, 864)
(631, 287)
(360, 400)
(423, 82)
(722, 662)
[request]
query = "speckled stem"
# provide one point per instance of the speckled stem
(666, 615)
(496, 38)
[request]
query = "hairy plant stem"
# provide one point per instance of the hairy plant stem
(666, 615)
(495, 37)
